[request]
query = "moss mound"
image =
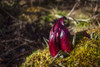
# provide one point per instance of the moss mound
(85, 54)
(38, 59)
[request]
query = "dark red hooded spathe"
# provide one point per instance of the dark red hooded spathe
(59, 38)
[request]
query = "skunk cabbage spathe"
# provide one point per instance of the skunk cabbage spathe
(54, 46)
(59, 38)
(64, 39)
(55, 26)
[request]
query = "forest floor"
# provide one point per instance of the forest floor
(20, 36)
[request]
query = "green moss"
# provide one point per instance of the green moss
(38, 59)
(48, 18)
(24, 17)
(62, 13)
(85, 54)
(54, 14)
(33, 9)
(83, 24)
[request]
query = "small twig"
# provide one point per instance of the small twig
(96, 36)
(77, 20)
(95, 16)
(70, 18)
(11, 16)
(27, 40)
(12, 50)
(73, 9)
(59, 53)
(85, 20)
(91, 35)
(61, 65)
(98, 22)
(45, 40)
(96, 8)
(10, 40)
(21, 54)
(20, 22)
(74, 38)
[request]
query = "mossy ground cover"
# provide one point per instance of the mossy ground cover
(85, 54)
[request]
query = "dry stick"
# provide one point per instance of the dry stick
(45, 40)
(96, 8)
(10, 40)
(95, 16)
(85, 20)
(76, 20)
(73, 9)
(15, 39)
(12, 49)
(27, 40)
(74, 38)
(11, 16)
(98, 22)
(70, 18)
(59, 53)
(21, 54)
(20, 22)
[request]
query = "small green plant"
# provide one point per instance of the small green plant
(48, 18)
(83, 24)
(54, 14)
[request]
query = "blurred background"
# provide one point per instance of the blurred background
(24, 24)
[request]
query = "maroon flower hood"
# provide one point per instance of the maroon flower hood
(59, 38)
